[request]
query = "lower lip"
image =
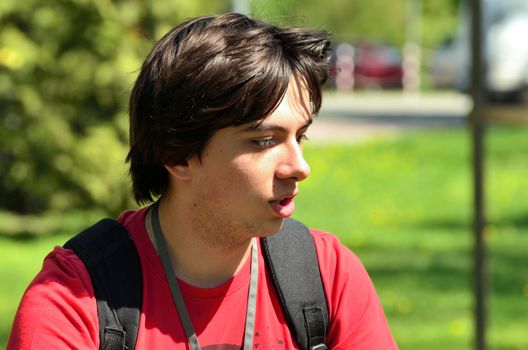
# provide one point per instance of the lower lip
(284, 208)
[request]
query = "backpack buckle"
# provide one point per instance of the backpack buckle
(319, 347)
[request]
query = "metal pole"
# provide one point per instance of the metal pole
(412, 47)
(240, 6)
(478, 132)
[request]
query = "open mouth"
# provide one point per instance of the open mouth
(285, 201)
(283, 208)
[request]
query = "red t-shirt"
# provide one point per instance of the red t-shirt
(58, 310)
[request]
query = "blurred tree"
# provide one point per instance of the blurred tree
(67, 66)
(359, 19)
(66, 69)
(439, 21)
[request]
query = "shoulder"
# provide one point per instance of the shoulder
(356, 316)
(343, 274)
(330, 250)
(340, 267)
(130, 219)
(58, 308)
(62, 270)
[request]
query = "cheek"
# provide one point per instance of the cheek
(238, 178)
(228, 181)
(255, 172)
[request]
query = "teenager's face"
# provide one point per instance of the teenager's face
(246, 179)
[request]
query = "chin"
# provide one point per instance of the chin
(270, 227)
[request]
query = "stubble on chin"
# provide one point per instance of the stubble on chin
(224, 232)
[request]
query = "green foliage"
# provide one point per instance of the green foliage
(365, 19)
(439, 21)
(66, 68)
(346, 20)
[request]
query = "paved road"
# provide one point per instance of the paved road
(348, 117)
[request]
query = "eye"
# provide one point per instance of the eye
(264, 143)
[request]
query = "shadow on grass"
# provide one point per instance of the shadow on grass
(446, 272)
(449, 271)
(22, 236)
(18, 227)
(32, 235)
(508, 270)
(519, 221)
(447, 224)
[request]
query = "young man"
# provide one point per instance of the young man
(217, 117)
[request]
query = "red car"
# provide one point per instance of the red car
(366, 65)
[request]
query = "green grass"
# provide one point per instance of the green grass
(404, 206)
(21, 259)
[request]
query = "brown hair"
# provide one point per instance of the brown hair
(209, 73)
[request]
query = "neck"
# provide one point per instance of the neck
(197, 254)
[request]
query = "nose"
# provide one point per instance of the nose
(293, 165)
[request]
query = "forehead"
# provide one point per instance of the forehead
(296, 100)
(294, 108)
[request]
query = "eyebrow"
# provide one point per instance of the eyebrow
(258, 125)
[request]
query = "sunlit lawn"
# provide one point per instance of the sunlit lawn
(404, 206)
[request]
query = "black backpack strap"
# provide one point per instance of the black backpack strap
(292, 263)
(113, 263)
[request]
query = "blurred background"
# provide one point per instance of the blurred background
(391, 151)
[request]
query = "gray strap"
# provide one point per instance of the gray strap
(252, 299)
(171, 277)
(178, 298)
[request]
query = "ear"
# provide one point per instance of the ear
(180, 171)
